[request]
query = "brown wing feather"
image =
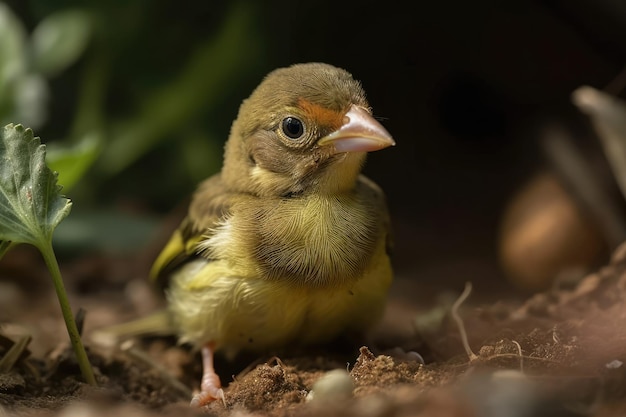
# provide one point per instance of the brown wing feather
(209, 204)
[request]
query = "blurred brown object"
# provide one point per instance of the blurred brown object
(545, 236)
(565, 222)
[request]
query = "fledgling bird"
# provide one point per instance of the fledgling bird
(289, 243)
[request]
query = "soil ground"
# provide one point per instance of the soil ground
(556, 353)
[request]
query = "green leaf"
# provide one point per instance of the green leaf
(59, 40)
(72, 162)
(31, 205)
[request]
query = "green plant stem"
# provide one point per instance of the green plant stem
(79, 350)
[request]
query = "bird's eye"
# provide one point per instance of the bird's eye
(293, 128)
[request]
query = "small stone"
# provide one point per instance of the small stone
(334, 385)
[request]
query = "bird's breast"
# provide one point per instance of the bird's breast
(317, 241)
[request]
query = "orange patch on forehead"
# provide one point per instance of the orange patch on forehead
(321, 115)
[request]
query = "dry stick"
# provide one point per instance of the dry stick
(14, 353)
(521, 357)
(607, 116)
(606, 113)
(486, 359)
(517, 355)
(459, 322)
(472, 356)
(572, 164)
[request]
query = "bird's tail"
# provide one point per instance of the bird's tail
(157, 323)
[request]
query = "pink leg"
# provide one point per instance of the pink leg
(210, 387)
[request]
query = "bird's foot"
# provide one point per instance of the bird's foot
(207, 396)
(210, 387)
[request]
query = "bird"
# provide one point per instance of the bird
(289, 244)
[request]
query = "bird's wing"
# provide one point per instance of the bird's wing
(376, 195)
(209, 205)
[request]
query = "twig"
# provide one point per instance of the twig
(14, 354)
(607, 116)
(80, 320)
(459, 322)
(521, 357)
(487, 359)
(572, 164)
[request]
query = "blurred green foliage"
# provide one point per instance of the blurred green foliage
(133, 98)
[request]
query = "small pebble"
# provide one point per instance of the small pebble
(614, 364)
(334, 385)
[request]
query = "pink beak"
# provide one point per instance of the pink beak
(360, 133)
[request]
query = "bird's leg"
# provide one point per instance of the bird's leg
(210, 387)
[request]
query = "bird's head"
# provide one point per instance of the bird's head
(305, 128)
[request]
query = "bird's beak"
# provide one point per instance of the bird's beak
(360, 133)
